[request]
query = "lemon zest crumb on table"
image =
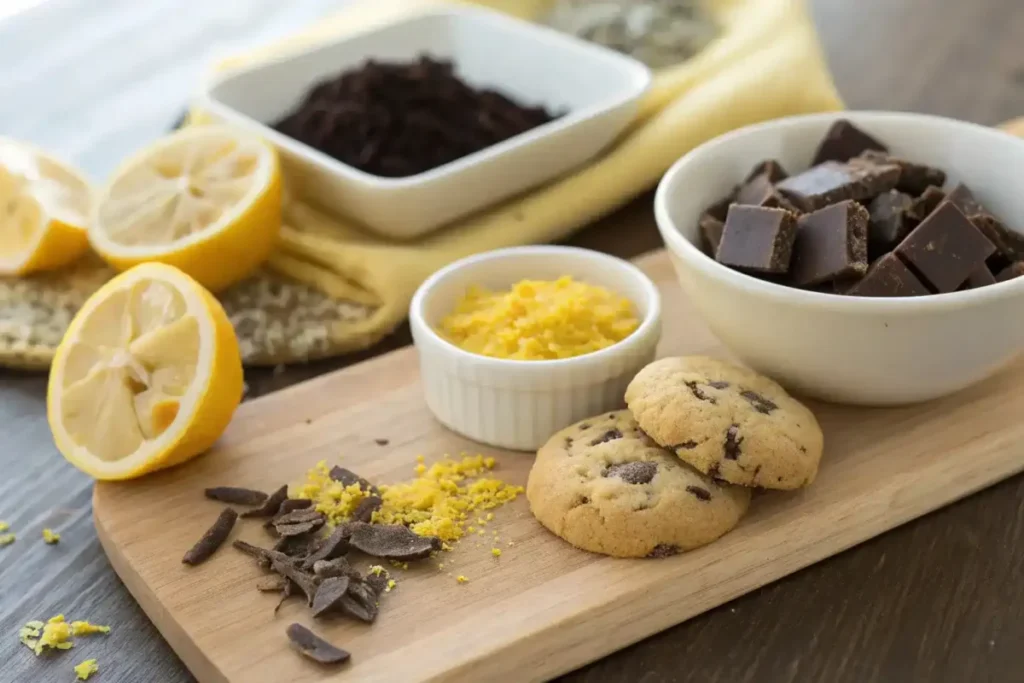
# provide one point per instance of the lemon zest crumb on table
(420, 458)
(390, 585)
(496, 552)
(56, 633)
(7, 539)
(50, 537)
(4, 526)
(490, 516)
(86, 669)
(461, 579)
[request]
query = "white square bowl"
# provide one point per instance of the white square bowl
(597, 88)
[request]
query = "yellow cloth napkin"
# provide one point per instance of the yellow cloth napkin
(766, 63)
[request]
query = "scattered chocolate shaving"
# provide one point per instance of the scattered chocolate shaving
(610, 435)
(236, 496)
(360, 602)
(303, 581)
(348, 477)
(262, 555)
(699, 492)
(759, 402)
(329, 595)
(270, 505)
(392, 541)
(293, 504)
(299, 517)
(381, 442)
(339, 566)
(331, 547)
(699, 393)
(636, 472)
(378, 582)
(364, 511)
(663, 550)
(271, 584)
(213, 538)
(299, 545)
(310, 645)
(298, 529)
(286, 592)
(732, 442)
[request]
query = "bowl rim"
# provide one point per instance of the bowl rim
(695, 257)
(640, 78)
(650, 324)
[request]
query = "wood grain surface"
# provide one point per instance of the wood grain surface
(543, 607)
(941, 599)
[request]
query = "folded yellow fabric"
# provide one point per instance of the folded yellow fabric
(767, 63)
(332, 287)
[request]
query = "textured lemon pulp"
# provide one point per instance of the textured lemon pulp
(178, 191)
(130, 369)
(39, 197)
(539, 320)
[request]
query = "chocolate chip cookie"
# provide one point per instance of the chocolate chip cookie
(727, 421)
(605, 486)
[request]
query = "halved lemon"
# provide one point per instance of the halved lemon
(147, 376)
(44, 208)
(206, 199)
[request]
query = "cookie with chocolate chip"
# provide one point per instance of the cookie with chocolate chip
(603, 485)
(727, 421)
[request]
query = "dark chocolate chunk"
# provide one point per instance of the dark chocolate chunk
(888, 277)
(310, 645)
(1010, 244)
(720, 209)
(833, 182)
(699, 393)
(830, 243)
(755, 190)
(699, 492)
(770, 168)
(271, 505)
(236, 496)
(360, 601)
(711, 233)
(348, 477)
(329, 595)
(636, 472)
(610, 435)
(759, 402)
(367, 506)
(945, 248)
(1014, 270)
(914, 178)
(392, 542)
(923, 206)
(213, 538)
(304, 581)
(684, 446)
(378, 582)
(843, 141)
(888, 224)
(733, 440)
(757, 239)
(965, 200)
(982, 277)
(287, 591)
(663, 550)
(381, 442)
(296, 545)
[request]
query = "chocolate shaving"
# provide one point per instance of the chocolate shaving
(270, 506)
(378, 582)
(310, 645)
(303, 581)
(331, 547)
(360, 602)
(759, 402)
(262, 555)
(298, 529)
(213, 538)
(299, 516)
(286, 592)
(339, 566)
(271, 584)
(348, 477)
(329, 595)
(236, 496)
(293, 504)
(297, 545)
(364, 511)
(392, 542)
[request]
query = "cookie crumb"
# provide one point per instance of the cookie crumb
(381, 442)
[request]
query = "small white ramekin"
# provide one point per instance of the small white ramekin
(519, 404)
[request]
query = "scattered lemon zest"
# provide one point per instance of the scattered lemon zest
(56, 633)
(29, 634)
(399, 565)
(445, 547)
(86, 669)
(50, 537)
(420, 468)
(84, 628)
(440, 566)
(490, 516)
(496, 552)
(377, 570)
(4, 526)
(480, 532)
(461, 579)
(471, 529)
(335, 500)
(390, 585)
(420, 458)
(481, 521)
(7, 539)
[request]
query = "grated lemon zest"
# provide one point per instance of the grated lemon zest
(6, 539)
(461, 579)
(86, 669)
(50, 537)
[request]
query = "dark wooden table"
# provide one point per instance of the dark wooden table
(940, 599)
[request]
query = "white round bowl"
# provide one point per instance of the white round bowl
(519, 404)
(848, 349)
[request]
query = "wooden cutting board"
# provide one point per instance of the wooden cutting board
(543, 607)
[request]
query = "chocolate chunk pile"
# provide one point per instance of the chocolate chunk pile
(307, 562)
(860, 222)
(400, 119)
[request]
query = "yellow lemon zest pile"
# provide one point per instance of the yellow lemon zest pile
(539, 320)
(6, 539)
(86, 669)
(56, 633)
(438, 502)
(50, 537)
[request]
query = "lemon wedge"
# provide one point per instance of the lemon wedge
(206, 199)
(147, 376)
(44, 207)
